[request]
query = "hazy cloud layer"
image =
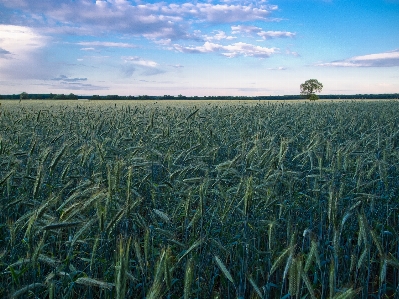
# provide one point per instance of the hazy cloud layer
(91, 45)
(232, 50)
(146, 67)
(249, 30)
(245, 29)
(19, 40)
(219, 35)
(140, 61)
(78, 86)
(152, 20)
(386, 59)
(22, 55)
(63, 78)
(161, 22)
(275, 34)
(280, 68)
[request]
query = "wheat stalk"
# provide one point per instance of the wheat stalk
(26, 289)
(91, 282)
(222, 267)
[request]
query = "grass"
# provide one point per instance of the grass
(199, 199)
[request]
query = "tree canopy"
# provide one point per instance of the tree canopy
(23, 96)
(309, 88)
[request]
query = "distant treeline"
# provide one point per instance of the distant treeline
(72, 96)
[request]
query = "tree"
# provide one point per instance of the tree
(71, 96)
(309, 88)
(23, 96)
(59, 97)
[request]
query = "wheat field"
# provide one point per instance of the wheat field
(199, 199)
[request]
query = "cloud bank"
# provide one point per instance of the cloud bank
(63, 78)
(147, 67)
(385, 59)
(21, 53)
(230, 51)
(90, 45)
(152, 20)
(249, 30)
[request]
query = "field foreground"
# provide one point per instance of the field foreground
(204, 200)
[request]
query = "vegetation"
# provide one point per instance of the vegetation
(216, 98)
(104, 200)
(23, 96)
(309, 88)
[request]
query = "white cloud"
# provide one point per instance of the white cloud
(380, 56)
(106, 44)
(103, 16)
(22, 53)
(147, 67)
(385, 59)
(232, 50)
(248, 50)
(207, 47)
(163, 42)
(249, 30)
(225, 13)
(275, 34)
(19, 41)
(245, 29)
(152, 20)
(140, 61)
(280, 68)
(219, 35)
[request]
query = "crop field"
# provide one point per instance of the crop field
(199, 199)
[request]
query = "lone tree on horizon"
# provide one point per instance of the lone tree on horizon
(309, 88)
(23, 96)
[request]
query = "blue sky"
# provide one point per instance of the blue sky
(203, 48)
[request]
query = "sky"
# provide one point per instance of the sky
(198, 48)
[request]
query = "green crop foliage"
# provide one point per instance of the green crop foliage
(199, 199)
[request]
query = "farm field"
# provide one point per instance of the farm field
(176, 199)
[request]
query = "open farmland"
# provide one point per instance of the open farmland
(199, 200)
